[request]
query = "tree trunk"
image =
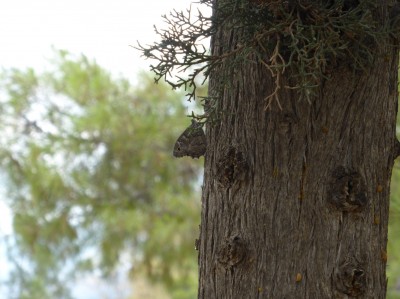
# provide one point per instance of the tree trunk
(295, 200)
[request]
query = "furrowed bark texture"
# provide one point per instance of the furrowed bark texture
(295, 201)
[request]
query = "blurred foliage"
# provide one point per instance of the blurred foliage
(91, 182)
(393, 269)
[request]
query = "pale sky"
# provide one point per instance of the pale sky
(100, 29)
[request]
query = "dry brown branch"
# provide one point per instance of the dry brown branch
(277, 68)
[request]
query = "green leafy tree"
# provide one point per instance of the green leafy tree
(393, 252)
(87, 163)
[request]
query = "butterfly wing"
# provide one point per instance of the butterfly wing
(197, 144)
(181, 145)
(192, 142)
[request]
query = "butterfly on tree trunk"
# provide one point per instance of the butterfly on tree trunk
(192, 142)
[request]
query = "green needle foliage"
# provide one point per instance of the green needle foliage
(87, 164)
(299, 40)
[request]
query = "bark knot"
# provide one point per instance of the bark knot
(351, 278)
(347, 190)
(232, 252)
(231, 167)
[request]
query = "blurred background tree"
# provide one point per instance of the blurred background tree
(393, 252)
(91, 182)
(92, 185)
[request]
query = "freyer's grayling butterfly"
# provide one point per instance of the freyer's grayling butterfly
(192, 142)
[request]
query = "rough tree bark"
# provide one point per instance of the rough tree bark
(295, 201)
